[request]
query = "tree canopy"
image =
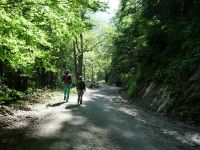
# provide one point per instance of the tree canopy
(156, 40)
(36, 38)
(148, 41)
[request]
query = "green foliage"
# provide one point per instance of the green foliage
(36, 40)
(98, 59)
(29, 90)
(130, 83)
(157, 38)
(160, 40)
(7, 95)
(177, 71)
(73, 90)
(40, 29)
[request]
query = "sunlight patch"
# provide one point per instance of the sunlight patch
(85, 134)
(20, 124)
(95, 138)
(97, 129)
(169, 132)
(49, 126)
(77, 120)
(195, 138)
(83, 105)
(128, 135)
(191, 139)
(132, 113)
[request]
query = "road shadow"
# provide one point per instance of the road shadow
(97, 124)
(72, 106)
(55, 104)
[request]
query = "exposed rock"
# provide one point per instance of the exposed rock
(149, 89)
(181, 100)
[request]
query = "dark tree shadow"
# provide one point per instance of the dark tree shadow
(56, 104)
(72, 106)
(88, 124)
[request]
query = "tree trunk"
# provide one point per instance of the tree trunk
(80, 57)
(80, 64)
(75, 62)
(84, 72)
(92, 74)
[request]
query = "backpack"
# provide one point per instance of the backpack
(81, 85)
(67, 79)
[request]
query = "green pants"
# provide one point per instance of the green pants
(66, 91)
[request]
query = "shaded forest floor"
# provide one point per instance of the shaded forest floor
(105, 111)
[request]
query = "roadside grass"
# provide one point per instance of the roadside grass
(47, 97)
(73, 90)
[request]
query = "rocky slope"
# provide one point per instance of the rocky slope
(178, 100)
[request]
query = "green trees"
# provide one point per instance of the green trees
(36, 39)
(98, 53)
(157, 52)
(157, 40)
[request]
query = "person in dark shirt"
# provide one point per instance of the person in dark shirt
(80, 89)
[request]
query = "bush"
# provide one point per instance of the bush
(29, 90)
(7, 95)
(130, 83)
(176, 71)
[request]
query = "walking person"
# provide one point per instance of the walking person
(80, 89)
(67, 80)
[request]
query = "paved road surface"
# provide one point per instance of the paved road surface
(103, 122)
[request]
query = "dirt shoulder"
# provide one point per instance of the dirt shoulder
(162, 124)
(24, 112)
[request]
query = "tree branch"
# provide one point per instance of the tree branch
(77, 46)
(18, 4)
(91, 48)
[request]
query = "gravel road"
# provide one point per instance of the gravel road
(104, 121)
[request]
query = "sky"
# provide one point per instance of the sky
(107, 16)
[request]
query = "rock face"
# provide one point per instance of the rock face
(181, 101)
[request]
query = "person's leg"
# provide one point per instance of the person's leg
(78, 96)
(81, 96)
(68, 92)
(65, 91)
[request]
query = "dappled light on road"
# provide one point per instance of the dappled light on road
(132, 113)
(77, 120)
(52, 124)
(104, 122)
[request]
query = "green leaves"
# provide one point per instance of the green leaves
(41, 28)
(159, 38)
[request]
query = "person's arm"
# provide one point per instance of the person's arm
(84, 86)
(70, 79)
(63, 78)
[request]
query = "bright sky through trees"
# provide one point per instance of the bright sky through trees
(106, 16)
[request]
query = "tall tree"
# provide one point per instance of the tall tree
(41, 30)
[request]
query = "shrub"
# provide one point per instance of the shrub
(130, 83)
